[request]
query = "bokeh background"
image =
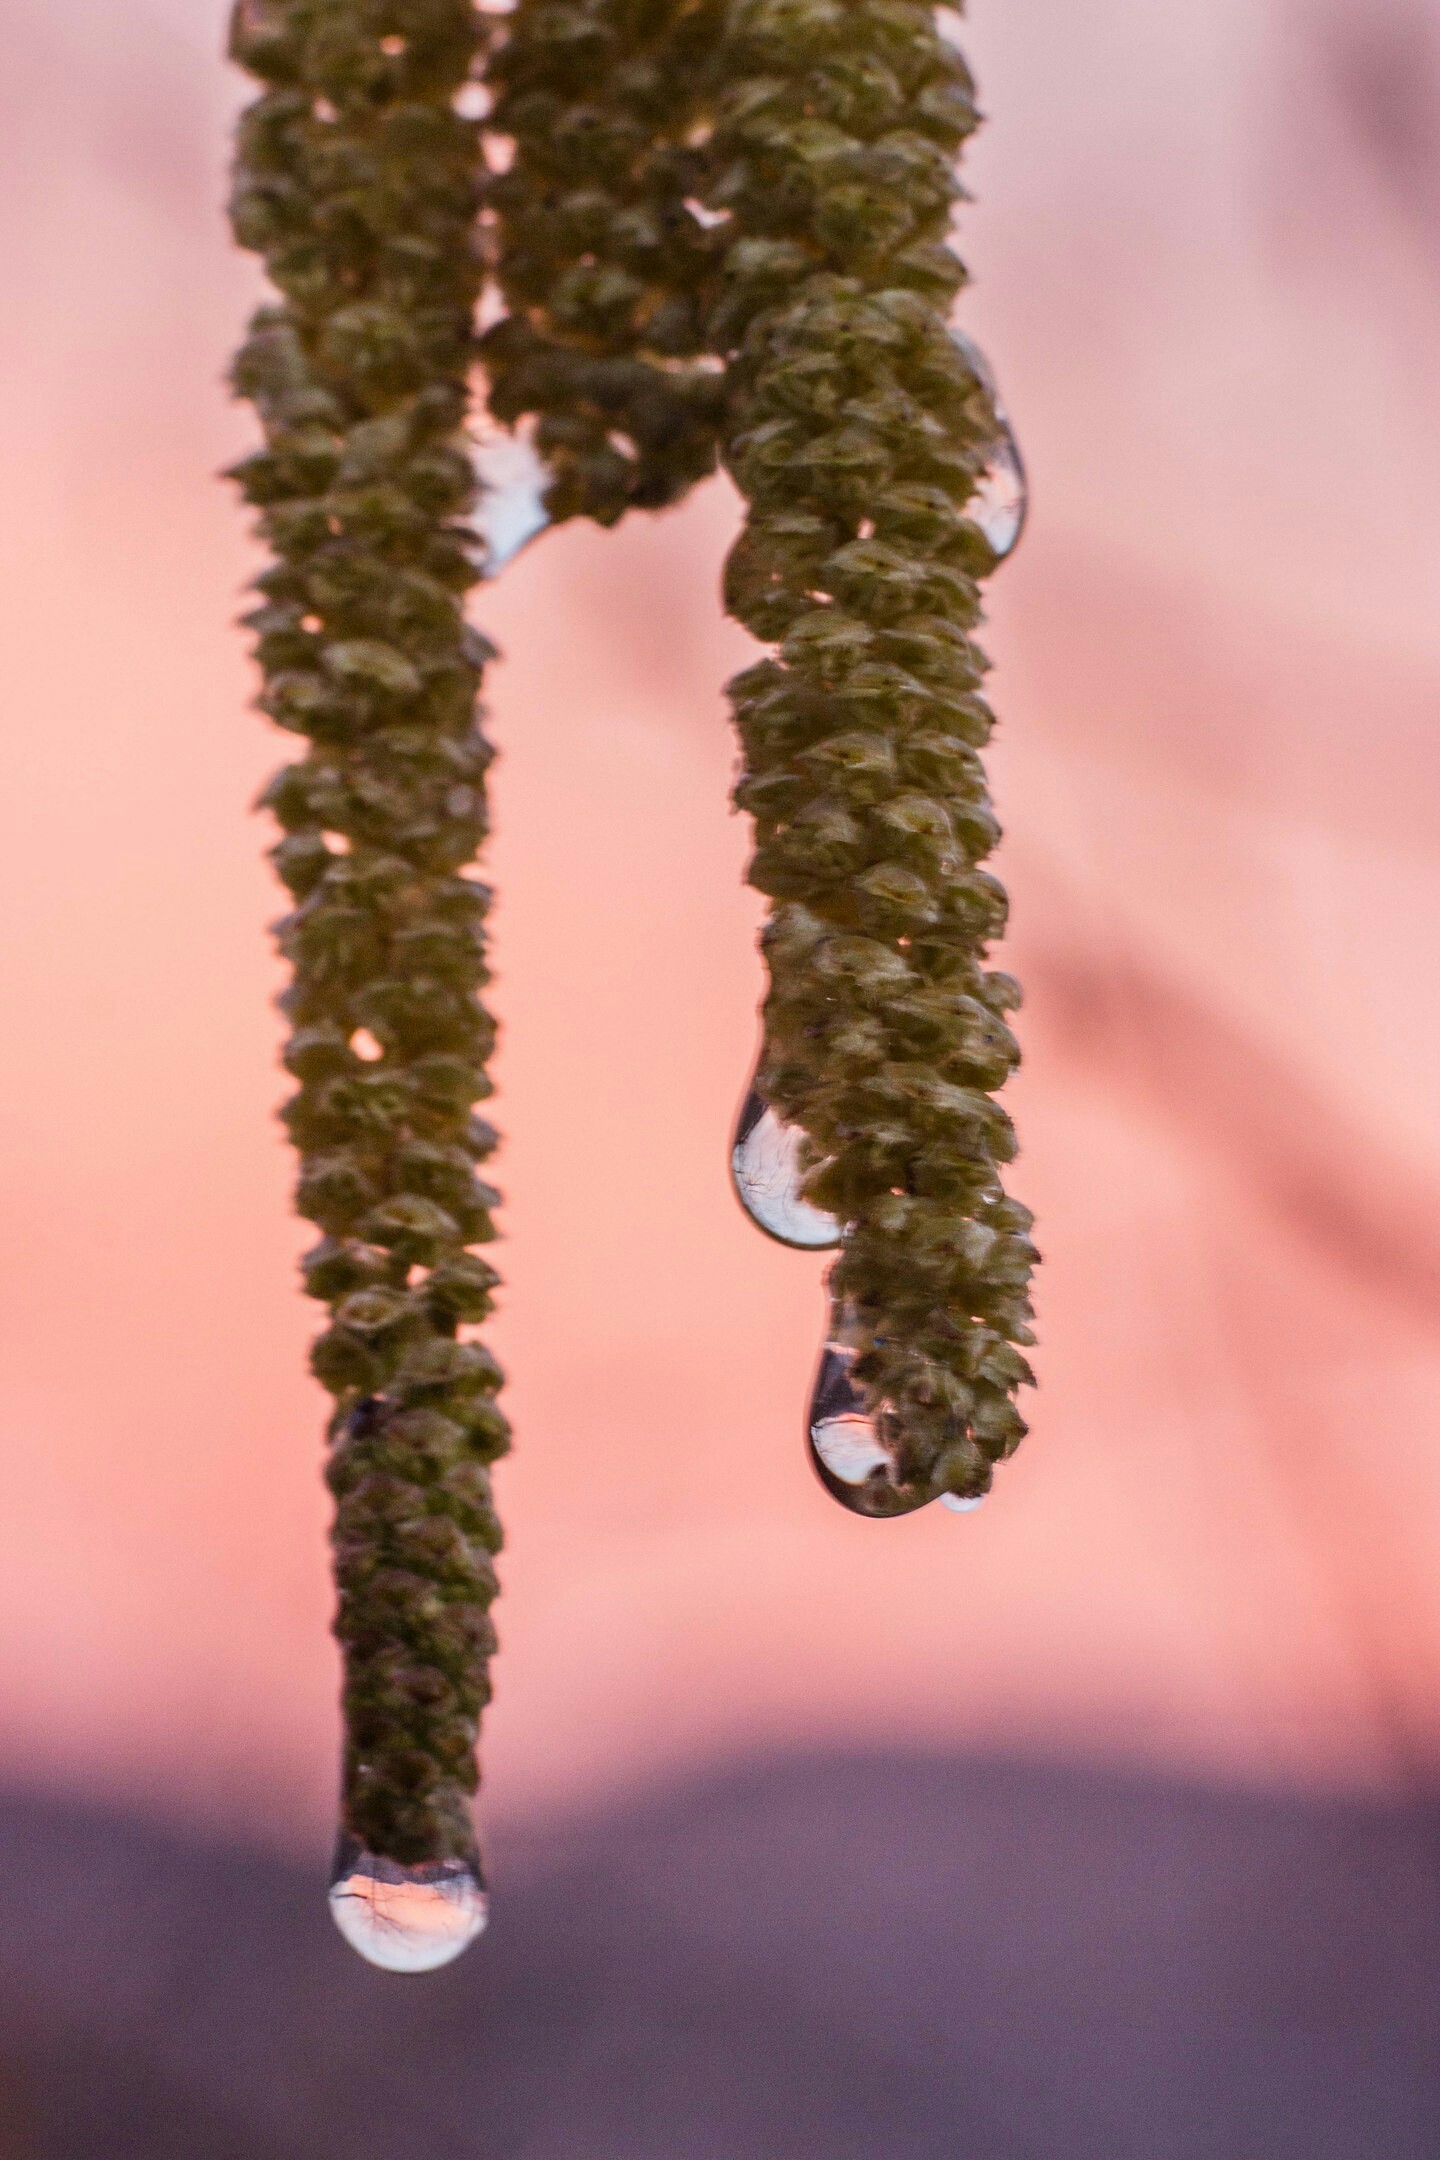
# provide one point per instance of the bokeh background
(1101, 1822)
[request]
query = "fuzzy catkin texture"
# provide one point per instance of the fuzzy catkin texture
(856, 430)
(357, 181)
(770, 182)
(606, 271)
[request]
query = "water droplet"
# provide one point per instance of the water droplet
(408, 1920)
(842, 1432)
(958, 1506)
(1002, 496)
(847, 1446)
(765, 1167)
(513, 479)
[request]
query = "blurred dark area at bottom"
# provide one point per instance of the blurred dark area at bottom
(849, 1957)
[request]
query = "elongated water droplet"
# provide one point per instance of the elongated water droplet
(1000, 502)
(842, 1431)
(765, 1166)
(847, 1448)
(1002, 496)
(408, 1920)
(513, 479)
(959, 1506)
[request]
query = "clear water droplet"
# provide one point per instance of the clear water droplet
(765, 1167)
(408, 1920)
(513, 479)
(847, 1446)
(1002, 498)
(842, 1431)
(958, 1506)
(1002, 495)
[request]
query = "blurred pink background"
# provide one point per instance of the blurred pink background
(1204, 251)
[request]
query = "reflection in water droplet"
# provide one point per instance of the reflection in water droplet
(1002, 497)
(513, 479)
(847, 1450)
(408, 1920)
(1000, 501)
(765, 1167)
(842, 1431)
(959, 1506)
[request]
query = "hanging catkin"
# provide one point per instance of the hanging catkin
(357, 181)
(857, 429)
(603, 264)
(801, 161)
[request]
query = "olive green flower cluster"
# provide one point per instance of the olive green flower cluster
(357, 181)
(857, 429)
(790, 165)
(603, 254)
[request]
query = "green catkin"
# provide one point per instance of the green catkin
(605, 271)
(819, 137)
(856, 429)
(357, 181)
